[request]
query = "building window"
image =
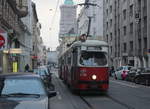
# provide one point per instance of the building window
(110, 22)
(20, 3)
(131, 46)
(94, 31)
(131, 10)
(125, 30)
(124, 47)
(139, 40)
(107, 38)
(131, 28)
(110, 9)
(111, 50)
(145, 43)
(107, 12)
(94, 17)
(110, 36)
(124, 14)
(145, 25)
(106, 25)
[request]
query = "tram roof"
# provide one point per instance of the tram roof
(87, 43)
(90, 43)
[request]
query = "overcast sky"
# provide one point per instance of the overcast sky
(49, 19)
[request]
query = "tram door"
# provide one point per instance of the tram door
(74, 65)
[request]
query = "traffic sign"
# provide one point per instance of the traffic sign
(2, 40)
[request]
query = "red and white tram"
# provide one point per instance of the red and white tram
(84, 66)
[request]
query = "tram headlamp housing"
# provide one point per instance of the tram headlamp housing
(94, 77)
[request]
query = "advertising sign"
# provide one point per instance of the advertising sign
(15, 67)
(3, 41)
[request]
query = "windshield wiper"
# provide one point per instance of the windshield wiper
(19, 94)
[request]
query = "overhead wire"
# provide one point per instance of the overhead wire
(53, 18)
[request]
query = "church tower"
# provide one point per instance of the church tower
(68, 18)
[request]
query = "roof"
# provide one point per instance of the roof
(69, 2)
(90, 43)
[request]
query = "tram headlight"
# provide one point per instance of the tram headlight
(94, 77)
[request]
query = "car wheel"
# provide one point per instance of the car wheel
(137, 80)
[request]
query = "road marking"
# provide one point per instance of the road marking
(59, 96)
(124, 84)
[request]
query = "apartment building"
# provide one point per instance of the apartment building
(127, 29)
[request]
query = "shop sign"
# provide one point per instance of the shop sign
(3, 41)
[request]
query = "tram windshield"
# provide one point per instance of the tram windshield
(93, 59)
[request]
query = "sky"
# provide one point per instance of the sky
(48, 12)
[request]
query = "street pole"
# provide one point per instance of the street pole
(87, 4)
(89, 25)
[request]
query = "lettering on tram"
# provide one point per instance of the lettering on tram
(84, 66)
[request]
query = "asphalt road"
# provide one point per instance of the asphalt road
(121, 95)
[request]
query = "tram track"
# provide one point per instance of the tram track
(119, 102)
(126, 106)
(68, 95)
(87, 101)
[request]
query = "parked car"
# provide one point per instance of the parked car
(45, 75)
(122, 72)
(143, 77)
(23, 91)
(132, 73)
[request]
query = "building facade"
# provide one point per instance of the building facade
(11, 12)
(126, 29)
(19, 23)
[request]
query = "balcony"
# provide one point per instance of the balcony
(22, 7)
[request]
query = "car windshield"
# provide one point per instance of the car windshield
(93, 58)
(42, 72)
(21, 85)
(127, 68)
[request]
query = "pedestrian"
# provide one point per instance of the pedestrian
(112, 70)
(27, 67)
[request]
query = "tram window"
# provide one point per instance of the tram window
(93, 58)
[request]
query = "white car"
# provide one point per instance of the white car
(122, 72)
